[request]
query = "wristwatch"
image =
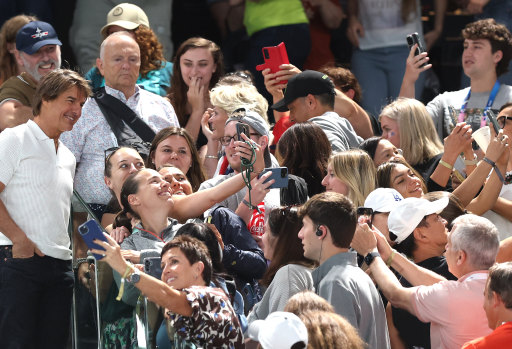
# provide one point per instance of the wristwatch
(368, 259)
(134, 277)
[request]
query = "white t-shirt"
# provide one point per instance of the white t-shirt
(383, 24)
(38, 187)
(503, 225)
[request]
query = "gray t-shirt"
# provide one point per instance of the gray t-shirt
(289, 280)
(445, 108)
(353, 295)
(339, 131)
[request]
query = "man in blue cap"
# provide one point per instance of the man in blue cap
(38, 53)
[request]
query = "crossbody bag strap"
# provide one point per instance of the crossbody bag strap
(114, 111)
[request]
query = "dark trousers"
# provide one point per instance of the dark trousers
(35, 301)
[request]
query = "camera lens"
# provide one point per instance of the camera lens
(83, 229)
(284, 172)
(265, 52)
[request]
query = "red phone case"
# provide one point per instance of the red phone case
(274, 56)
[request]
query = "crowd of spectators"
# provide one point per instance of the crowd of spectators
(316, 206)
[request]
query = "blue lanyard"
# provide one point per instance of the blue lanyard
(490, 101)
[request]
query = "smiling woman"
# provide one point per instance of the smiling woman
(174, 145)
(198, 65)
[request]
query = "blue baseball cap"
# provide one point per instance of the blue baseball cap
(34, 35)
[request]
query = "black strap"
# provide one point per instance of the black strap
(116, 112)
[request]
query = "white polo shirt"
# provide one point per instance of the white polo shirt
(38, 187)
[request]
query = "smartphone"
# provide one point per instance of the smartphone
(413, 39)
(274, 56)
(492, 119)
(364, 215)
(242, 128)
(279, 174)
(153, 267)
(90, 231)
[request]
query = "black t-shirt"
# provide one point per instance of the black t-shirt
(414, 333)
(426, 168)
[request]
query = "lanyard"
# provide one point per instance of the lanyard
(490, 101)
(150, 232)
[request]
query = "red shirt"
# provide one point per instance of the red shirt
(500, 338)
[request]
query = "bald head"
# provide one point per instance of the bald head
(119, 62)
(120, 36)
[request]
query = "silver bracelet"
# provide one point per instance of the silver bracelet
(211, 157)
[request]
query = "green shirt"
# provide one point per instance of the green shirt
(272, 13)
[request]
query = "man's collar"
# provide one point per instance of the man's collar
(341, 259)
(119, 94)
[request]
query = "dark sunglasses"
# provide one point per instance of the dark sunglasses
(502, 120)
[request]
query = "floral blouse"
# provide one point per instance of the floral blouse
(213, 323)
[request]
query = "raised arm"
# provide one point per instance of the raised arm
(350, 110)
(195, 204)
(413, 68)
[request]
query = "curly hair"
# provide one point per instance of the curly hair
(196, 173)
(344, 80)
(8, 66)
(497, 34)
(151, 50)
(178, 90)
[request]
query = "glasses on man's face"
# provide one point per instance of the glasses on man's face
(226, 140)
(502, 120)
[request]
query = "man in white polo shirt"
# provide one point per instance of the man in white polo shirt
(36, 184)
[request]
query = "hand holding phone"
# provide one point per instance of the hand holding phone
(242, 128)
(279, 174)
(91, 231)
(494, 122)
(413, 39)
(274, 56)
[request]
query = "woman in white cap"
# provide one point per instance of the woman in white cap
(155, 71)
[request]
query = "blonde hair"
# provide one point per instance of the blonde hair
(418, 137)
(355, 168)
(328, 330)
(241, 95)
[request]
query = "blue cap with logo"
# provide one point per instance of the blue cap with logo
(34, 35)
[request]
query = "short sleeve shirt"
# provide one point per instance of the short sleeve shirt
(454, 310)
(38, 187)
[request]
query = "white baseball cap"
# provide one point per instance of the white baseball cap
(409, 212)
(383, 199)
(280, 330)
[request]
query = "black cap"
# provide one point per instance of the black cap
(303, 84)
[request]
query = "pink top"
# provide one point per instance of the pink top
(454, 309)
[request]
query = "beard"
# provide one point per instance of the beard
(33, 70)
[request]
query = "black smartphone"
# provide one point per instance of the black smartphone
(279, 174)
(153, 267)
(413, 39)
(91, 231)
(493, 120)
(242, 128)
(365, 215)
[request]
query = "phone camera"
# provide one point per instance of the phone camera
(83, 229)
(284, 172)
(265, 53)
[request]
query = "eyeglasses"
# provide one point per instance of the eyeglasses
(502, 120)
(226, 140)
